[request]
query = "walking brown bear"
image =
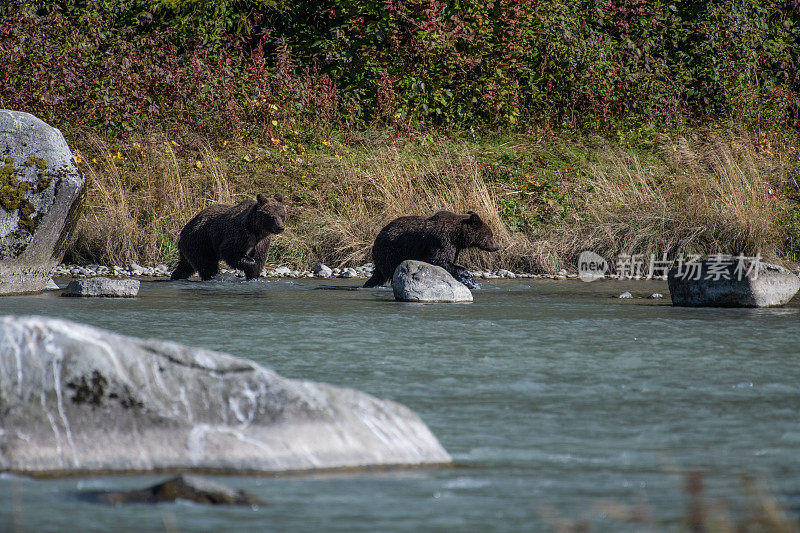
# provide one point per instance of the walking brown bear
(238, 234)
(437, 240)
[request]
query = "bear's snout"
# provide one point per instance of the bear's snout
(490, 246)
(278, 228)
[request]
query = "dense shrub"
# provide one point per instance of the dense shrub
(596, 64)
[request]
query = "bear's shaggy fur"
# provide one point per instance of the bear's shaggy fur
(238, 234)
(436, 240)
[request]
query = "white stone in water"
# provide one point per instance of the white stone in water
(103, 287)
(656, 296)
(81, 399)
(763, 285)
(625, 295)
(415, 281)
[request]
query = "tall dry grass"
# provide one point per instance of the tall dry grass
(388, 184)
(135, 208)
(713, 193)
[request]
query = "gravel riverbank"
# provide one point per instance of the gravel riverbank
(134, 270)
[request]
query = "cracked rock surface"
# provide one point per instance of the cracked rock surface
(75, 398)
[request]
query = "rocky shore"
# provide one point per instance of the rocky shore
(319, 270)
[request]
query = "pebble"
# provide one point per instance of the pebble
(348, 273)
(656, 296)
(625, 295)
(322, 271)
(503, 273)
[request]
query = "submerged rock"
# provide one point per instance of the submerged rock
(730, 283)
(184, 487)
(105, 287)
(415, 281)
(74, 398)
(41, 190)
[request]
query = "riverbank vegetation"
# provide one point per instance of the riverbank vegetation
(621, 126)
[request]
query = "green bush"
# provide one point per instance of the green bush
(115, 65)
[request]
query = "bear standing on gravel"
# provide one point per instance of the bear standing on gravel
(436, 240)
(239, 234)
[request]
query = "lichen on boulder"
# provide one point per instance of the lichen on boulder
(41, 190)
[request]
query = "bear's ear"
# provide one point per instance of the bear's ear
(279, 198)
(473, 218)
(261, 199)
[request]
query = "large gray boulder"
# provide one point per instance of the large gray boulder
(104, 287)
(729, 282)
(74, 398)
(41, 190)
(415, 281)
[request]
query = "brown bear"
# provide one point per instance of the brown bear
(239, 234)
(437, 240)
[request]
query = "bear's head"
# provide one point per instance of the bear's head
(475, 232)
(268, 215)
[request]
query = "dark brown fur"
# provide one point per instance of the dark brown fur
(238, 234)
(437, 240)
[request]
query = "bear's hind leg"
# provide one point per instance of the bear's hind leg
(208, 269)
(376, 280)
(183, 270)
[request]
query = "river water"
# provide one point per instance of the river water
(559, 403)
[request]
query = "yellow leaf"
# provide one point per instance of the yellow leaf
(274, 122)
(247, 158)
(198, 164)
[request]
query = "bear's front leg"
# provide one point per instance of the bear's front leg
(464, 276)
(445, 258)
(253, 261)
